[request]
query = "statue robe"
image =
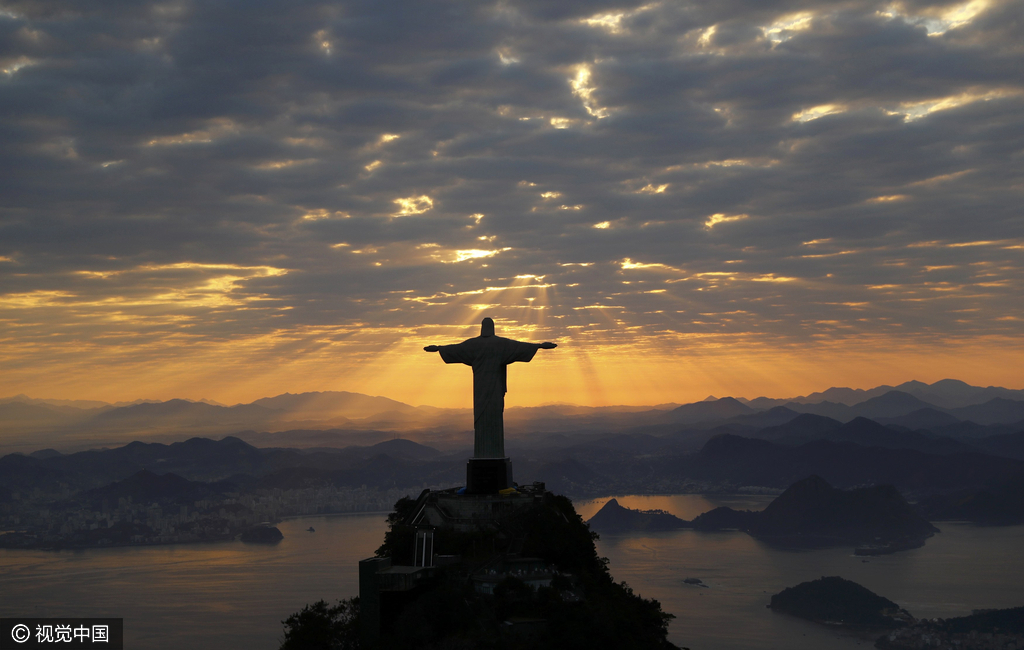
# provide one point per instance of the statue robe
(489, 356)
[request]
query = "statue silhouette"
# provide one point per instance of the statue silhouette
(489, 355)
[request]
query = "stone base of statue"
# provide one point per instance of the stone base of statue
(488, 475)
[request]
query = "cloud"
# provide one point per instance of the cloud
(393, 162)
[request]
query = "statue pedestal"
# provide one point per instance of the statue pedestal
(488, 475)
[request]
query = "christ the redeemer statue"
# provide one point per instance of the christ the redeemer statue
(489, 355)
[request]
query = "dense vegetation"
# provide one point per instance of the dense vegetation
(583, 608)
(323, 627)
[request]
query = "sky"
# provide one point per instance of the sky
(230, 200)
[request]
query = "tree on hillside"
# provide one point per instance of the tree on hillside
(323, 627)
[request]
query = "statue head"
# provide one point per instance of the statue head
(487, 327)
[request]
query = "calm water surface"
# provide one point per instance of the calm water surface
(203, 596)
(234, 595)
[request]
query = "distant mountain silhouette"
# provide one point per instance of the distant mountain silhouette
(578, 450)
(146, 487)
(968, 431)
(197, 458)
(869, 433)
(399, 448)
(20, 414)
(380, 471)
(953, 393)
(762, 403)
(746, 461)
(999, 505)
(614, 518)
(946, 393)
(564, 475)
(995, 411)
(833, 410)
(1010, 445)
(845, 396)
(177, 410)
(862, 431)
(394, 419)
(394, 463)
(904, 411)
(78, 404)
(333, 403)
(812, 513)
(803, 428)
(925, 418)
(725, 518)
(720, 409)
(201, 458)
(811, 510)
(19, 472)
(860, 452)
(345, 418)
(336, 438)
(892, 404)
(45, 453)
(774, 416)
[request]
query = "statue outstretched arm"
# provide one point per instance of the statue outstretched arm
(547, 345)
(455, 353)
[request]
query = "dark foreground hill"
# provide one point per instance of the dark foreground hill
(581, 607)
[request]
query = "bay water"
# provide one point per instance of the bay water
(235, 595)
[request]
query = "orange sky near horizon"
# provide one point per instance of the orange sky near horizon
(585, 374)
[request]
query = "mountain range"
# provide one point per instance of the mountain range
(975, 477)
(945, 417)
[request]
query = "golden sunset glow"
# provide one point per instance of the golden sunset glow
(282, 281)
(413, 205)
(688, 202)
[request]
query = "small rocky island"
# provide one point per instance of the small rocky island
(837, 601)
(615, 518)
(262, 534)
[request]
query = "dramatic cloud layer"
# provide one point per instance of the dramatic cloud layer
(234, 198)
